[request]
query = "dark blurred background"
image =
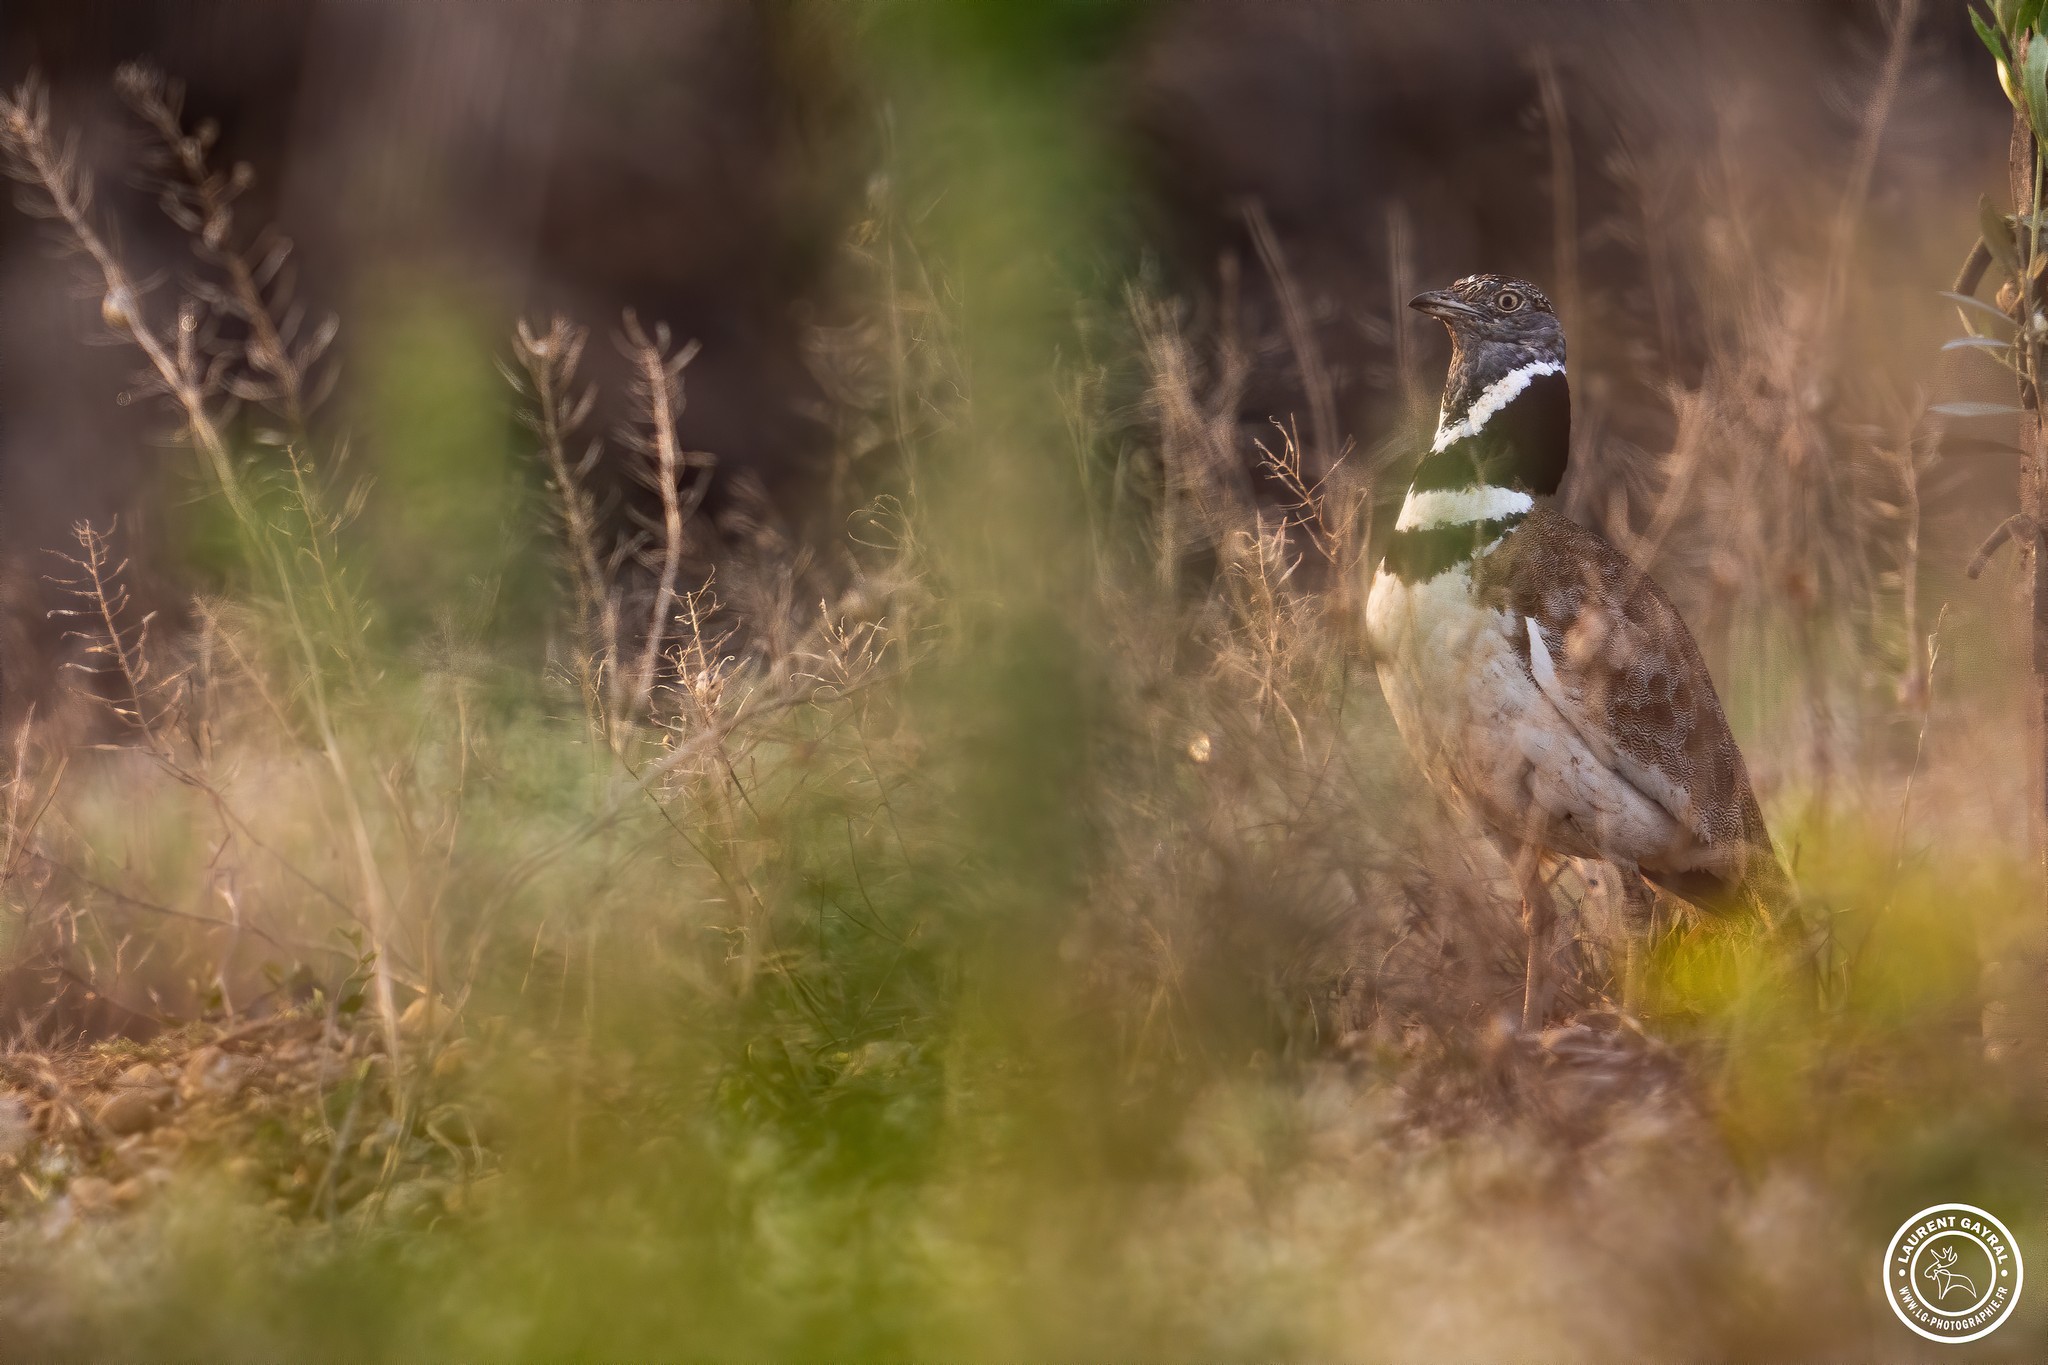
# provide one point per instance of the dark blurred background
(700, 160)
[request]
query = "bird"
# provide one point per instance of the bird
(1539, 678)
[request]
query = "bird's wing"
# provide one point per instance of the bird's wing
(1606, 645)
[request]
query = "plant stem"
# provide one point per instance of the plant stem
(2024, 165)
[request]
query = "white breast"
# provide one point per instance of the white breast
(1479, 725)
(1431, 507)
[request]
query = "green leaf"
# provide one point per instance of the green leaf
(1989, 35)
(1969, 301)
(1997, 236)
(2028, 16)
(1974, 409)
(2034, 81)
(2004, 11)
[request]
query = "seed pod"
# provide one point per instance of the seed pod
(117, 310)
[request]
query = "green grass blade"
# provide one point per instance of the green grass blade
(1977, 304)
(1989, 35)
(2034, 82)
(1974, 409)
(1997, 234)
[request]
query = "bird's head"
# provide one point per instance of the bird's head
(1496, 323)
(1506, 410)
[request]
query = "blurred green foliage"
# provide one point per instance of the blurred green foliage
(456, 503)
(787, 1058)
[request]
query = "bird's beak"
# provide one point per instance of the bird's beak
(1442, 303)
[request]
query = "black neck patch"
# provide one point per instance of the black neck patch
(1418, 555)
(1524, 446)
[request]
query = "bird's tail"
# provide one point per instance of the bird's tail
(1754, 883)
(1760, 888)
(1762, 893)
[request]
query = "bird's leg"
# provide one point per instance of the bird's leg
(1539, 919)
(1628, 973)
(1639, 904)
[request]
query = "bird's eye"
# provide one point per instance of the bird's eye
(1507, 301)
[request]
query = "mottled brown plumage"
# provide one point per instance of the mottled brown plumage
(1637, 685)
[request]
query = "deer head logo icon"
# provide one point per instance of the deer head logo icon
(1921, 1273)
(1941, 1270)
